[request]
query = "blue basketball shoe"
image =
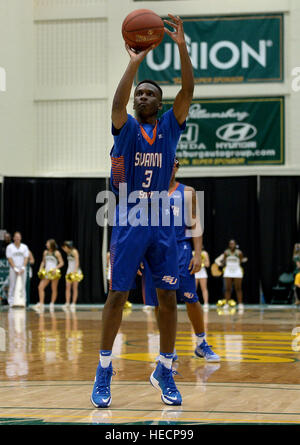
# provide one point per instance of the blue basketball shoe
(101, 396)
(162, 379)
(204, 351)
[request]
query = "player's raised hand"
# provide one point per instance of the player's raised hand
(138, 56)
(178, 34)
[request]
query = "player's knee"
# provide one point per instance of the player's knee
(117, 299)
(167, 300)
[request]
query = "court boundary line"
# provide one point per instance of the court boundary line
(130, 383)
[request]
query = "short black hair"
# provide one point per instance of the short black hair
(152, 82)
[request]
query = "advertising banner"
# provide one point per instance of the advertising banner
(229, 49)
(240, 131)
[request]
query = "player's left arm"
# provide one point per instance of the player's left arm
(194, 228)
(184, 97)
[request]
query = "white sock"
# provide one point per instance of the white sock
(200, 338)
(105, 359)
(166, 360)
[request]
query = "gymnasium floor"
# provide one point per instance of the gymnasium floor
(48, 362)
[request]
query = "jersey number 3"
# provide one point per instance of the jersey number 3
(148, 177)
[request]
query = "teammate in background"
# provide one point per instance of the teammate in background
(201, 279)
(52, 261)
(73, 267)
(17, 255)
(143, 157)
(127, 304)
(233, 274)
(187, 264)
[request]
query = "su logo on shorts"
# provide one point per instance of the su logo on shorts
(169, 279)
(189, 295)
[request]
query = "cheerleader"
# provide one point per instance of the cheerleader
(201, 278)
(49, 271)
(73, 275)
(296, 253)
(233, 273)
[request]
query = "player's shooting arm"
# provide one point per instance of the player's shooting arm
(184, 97)
(122, 94)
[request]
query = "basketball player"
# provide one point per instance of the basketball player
(52, 260)
(201, 278)
(73, 267)
(233, 274)
(187, 264)
(143, 157)
(17, 255)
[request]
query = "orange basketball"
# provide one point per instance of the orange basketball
(143, 28)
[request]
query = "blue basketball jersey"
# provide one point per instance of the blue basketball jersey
(143, 154)
(177, 205)
(143, 158)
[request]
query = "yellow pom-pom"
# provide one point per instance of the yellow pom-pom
(42, 274)
(53, 274)
(74, 276)
(69, 277)
(78, 276)
(232, 303)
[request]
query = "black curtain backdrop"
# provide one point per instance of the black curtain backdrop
(63, 209)
(279, 229)
(260, 213)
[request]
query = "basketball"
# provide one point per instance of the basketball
(142, 28)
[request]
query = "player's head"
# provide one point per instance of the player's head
(17, 237)
(147, 98)
(67, 246)
(51, 244)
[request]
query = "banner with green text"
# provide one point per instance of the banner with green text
(243, 131)
(231, 49)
